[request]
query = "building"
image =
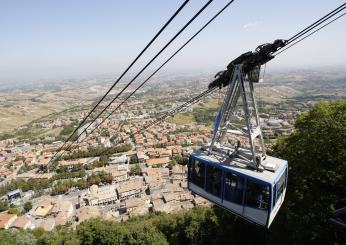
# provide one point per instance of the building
(119, 175)
(136, 206)
(130, 189)
(141, 157)
(162, 173)
(118, 159)
(62, 211)
(157, 162)
(22, 222)
(15, 197)
(87, 212)
(104, 195)
(178, 173)
(6, 220)
(47, 224)
(44, 208)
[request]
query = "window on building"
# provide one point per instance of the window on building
(257, 195)
(213, 181)
(234, 188)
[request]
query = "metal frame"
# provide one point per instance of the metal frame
(241, 85)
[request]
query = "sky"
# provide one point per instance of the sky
(51, 40)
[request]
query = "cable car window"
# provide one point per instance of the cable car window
(234, 188)
(257, 195)
(213, 184)
(280, 185)
(197, 173)
(274, 193)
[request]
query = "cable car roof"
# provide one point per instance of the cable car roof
(225, 163)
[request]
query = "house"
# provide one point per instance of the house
(25, 176)
(100, 195)
(87, 212)
(183, 185)
(119, 175)
(141, 156)
(71, 163)
(22, 222)
(171, 197)
(5, 173)
(162, 173)
(130, 189)
(62, 211)
(6, 220)
(118, 159)
(159, 205)
(153, 182)
(15, 197)
(44, 208)
(172, 188)
(136, 206)
(178, 173)
(119, 172)
(157, 162)
(47, 224)
(200, 201)
(43, 176)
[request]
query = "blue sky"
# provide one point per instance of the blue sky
(43, 40)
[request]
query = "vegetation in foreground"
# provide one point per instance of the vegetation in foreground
(317, 158)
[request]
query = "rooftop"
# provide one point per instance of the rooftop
(5, 218)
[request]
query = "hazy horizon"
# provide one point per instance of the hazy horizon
(53, 41)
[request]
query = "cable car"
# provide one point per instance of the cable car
(253, 195)
(240, 177)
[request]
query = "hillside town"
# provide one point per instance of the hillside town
(115, 171)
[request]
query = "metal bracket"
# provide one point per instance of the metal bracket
(240, 86)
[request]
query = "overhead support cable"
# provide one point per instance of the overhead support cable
(141, 71)
(293, 41)
(158, 69)
(178, 109)
(122, 75)
(298, 41)
(316, 23)
(146, 66)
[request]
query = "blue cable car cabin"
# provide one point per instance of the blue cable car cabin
(252, 195)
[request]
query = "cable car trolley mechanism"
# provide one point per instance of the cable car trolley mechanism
(241, 178)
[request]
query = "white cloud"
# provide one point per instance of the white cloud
(251, 24)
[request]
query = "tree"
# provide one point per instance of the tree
(135, 170)
(27, 206)
(3, 205)
(316, 154)
(181, 160)
(14, 210)
(96, 231)
(171, 164)
(133, 159)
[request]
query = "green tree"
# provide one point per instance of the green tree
(14, 210)
(135, 170)
(3, 205)
(6, 237)
(27, 206)
(181, 160)
(316, 154)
